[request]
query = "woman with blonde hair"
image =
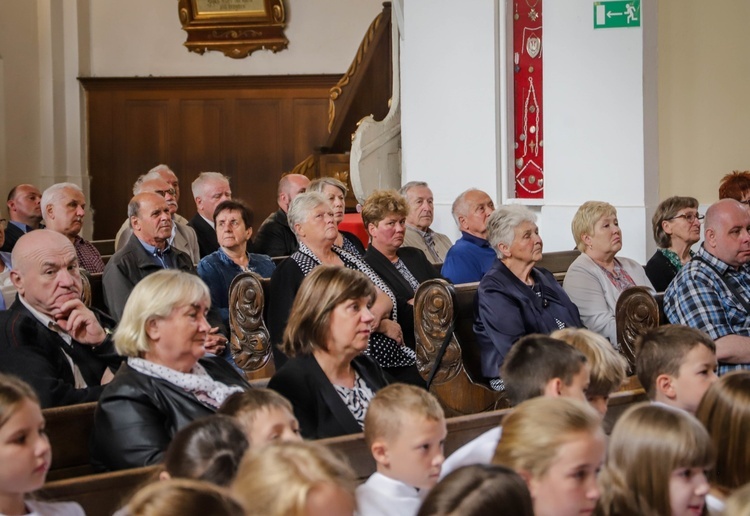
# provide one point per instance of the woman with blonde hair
(183, 497)
(725, 412)
(656, 464)
(596, 278)
(167, 382)
(557, 446)
(328, 379)
(295, 479)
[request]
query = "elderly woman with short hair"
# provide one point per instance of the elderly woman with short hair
(166, 382)
(596, 278)
(234, 226)
(677, 226)
(402, 268)
(336, 191)
(328, 378)
(516, 298)
(311, 218)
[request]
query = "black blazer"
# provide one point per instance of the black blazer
(138, 415)
(207, 241)
(660, 271)
(275, 237)
(34, 353)
(12, 234)
(318, 407)
(419, 266)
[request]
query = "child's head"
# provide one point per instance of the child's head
(725, 412)
(656, 463)
(295, 479)
(557, 446)
(405, 430)
(538, 365)
(479, 490)
(608, 367)
(676, 364)
(183, 497)
(208, 449)
(25, 453)
(265, 415)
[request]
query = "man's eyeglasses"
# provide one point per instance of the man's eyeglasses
(164, 193)
(690, 217)
(746, 202)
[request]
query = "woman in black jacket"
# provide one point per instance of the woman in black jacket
(328, 380)
(166, 382)
(402, 268)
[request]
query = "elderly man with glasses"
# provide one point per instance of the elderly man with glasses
(183, 236)
(711, 291)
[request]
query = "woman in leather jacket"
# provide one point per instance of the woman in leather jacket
(166, 382)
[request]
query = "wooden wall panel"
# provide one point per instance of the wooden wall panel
(258, 150)
(252, 129)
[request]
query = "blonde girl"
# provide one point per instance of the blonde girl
(557, 446)
(25, 453)
(656, 464)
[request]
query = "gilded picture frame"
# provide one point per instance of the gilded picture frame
(237, 28)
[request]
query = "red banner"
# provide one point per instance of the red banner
(527, 99)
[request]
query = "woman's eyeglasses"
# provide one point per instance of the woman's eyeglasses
(689, 217)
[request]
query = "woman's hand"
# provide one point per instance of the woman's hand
(391, 329)
(215, 341)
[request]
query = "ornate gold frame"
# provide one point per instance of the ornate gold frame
(235, 27)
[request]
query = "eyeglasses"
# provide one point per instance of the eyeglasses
(746, 202)
(164, 193)
(690, 217)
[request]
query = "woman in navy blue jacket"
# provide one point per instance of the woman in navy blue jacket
(515, 298)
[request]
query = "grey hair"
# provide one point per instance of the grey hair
(411, 184)
(138, 184)
(53, 195)
(203, 178)
(502, 224)
(154, 172)
(302, 205)
(459, 207)
(317, 185)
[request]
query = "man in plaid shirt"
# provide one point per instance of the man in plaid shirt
(63, 209)
(712, 291)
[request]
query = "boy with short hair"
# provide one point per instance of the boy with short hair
(265, 415)
(405, 430)
(608, 367)
(676, 365)
(536, 365)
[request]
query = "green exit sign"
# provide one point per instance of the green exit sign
(617, 13)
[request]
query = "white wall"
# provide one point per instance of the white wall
(600, 116)
(600, 122)
(145, 37)
(449, 100)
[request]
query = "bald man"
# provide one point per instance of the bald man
(712, 291)
(275, 237)
(51, 339)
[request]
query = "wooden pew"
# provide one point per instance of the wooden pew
(637, 311)
(250, 341)
(93, 290)
(68, 429)
(102, 494)
(558, 262)
(99, 494)
(105, 247)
